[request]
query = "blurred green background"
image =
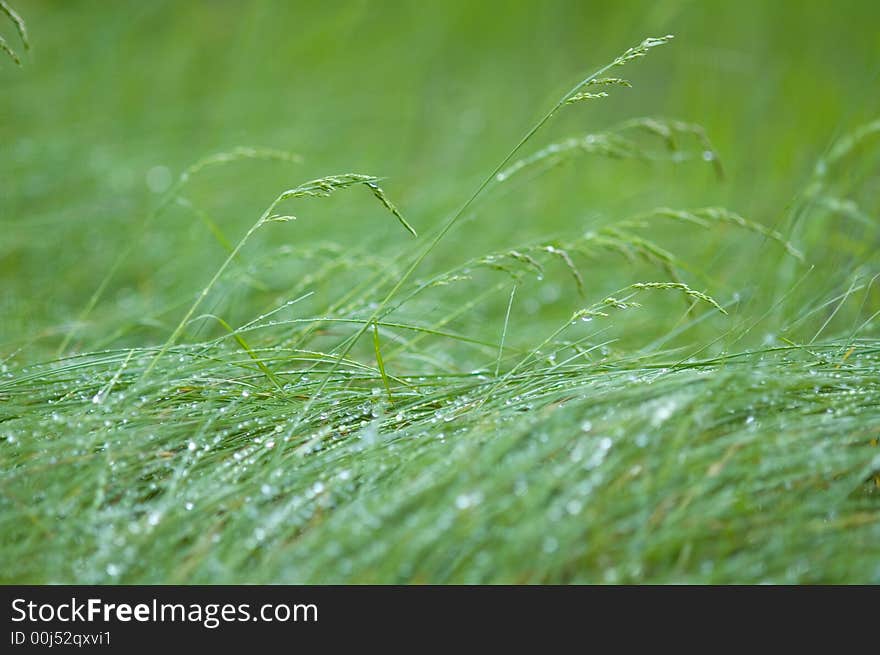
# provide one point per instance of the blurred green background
(117, 98)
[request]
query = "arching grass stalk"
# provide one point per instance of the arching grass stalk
(635, 52)
(321, 187)
(220, 158)
(600, 310)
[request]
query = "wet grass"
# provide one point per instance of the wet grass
(610, 392)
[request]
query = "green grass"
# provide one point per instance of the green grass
(639, 346)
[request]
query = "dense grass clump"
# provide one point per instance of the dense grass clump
(621, 400)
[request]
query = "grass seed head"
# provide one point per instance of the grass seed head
(642, 49)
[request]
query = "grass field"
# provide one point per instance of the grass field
(399, 292)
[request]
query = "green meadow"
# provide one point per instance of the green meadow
(441, 292)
